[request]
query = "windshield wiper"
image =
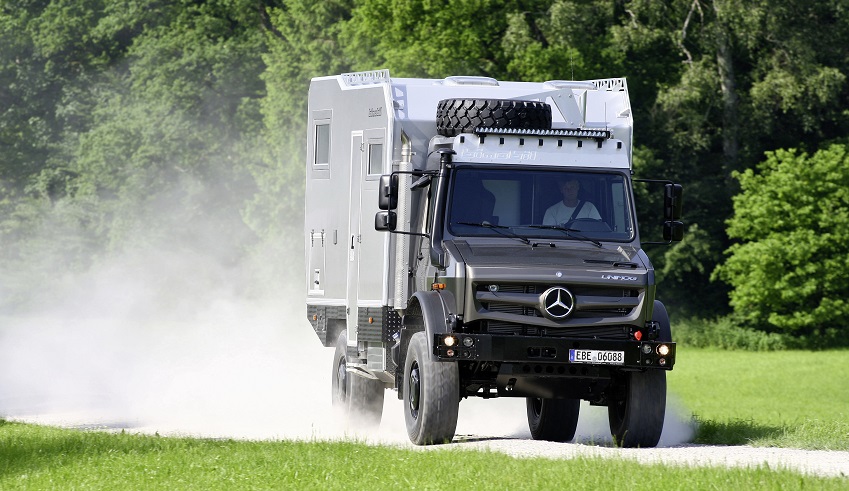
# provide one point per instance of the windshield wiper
(570, 232)
(501, 229)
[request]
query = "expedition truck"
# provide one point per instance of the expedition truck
(470, 237)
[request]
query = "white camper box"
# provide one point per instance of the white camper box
(357, 126)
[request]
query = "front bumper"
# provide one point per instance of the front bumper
(566, 351)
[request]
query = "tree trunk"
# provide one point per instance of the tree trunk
(730, 101)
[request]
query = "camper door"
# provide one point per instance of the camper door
(367, 261)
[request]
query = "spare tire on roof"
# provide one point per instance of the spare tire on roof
(455, 116)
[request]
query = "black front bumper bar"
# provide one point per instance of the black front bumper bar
(629, 354)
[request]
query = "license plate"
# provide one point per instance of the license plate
(597, 357)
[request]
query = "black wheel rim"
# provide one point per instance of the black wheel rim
(536, 407)
(415, 390)
(341, 382)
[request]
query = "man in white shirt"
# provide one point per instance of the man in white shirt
(570, 208)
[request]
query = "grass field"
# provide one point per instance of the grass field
(33, 457)
(792, 399)
(797, 399)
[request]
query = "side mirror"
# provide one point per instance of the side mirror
(385, 221)
(672, 202)
(673, 231)
(387, 192)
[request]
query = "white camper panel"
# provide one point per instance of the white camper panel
(347, 153)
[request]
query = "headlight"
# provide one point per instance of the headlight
(449, 341)
(663, 350)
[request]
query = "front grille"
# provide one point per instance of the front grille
(514, 309)
(593, 332)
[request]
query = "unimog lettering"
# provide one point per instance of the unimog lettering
(482, 241)
(618, 277)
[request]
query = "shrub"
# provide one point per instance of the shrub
(787, 272)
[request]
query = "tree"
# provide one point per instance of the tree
(135, 122)
(302, 39)
(792, 221)
(749, 77)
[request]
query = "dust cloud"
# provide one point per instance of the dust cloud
(162, 341)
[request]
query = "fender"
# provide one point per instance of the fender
(429, 311)
(660, 316)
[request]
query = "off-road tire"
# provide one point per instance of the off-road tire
(431, 395)
(455, 116)
(360, 399)
(637, 420)
(553, 420)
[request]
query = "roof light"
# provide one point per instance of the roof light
(576, 133)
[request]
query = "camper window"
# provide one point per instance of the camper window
(322, 143)
(375, 158)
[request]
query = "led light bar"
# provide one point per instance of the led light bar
(600, 134)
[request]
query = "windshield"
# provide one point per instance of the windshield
(540, 203)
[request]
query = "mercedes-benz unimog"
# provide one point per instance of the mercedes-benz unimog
(470, 237)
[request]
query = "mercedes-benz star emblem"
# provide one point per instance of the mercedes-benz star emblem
(557, 303)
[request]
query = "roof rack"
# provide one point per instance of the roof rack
(365, 78)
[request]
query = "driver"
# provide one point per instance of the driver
(570, 208)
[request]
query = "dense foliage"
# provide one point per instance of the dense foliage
(793, 218)
(174, 122)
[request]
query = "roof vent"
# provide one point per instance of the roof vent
(569, 84)
(485, 81)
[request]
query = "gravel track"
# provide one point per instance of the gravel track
(812, 462)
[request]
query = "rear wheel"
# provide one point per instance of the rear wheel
(455, 116)
(359, 398)
(431, 395)
(553, 420)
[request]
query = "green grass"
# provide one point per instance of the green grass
(33, 457)
(796, 399)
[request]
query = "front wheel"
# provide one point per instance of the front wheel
(359, 398)
(431, 395)
(554, 420)
(637, 419)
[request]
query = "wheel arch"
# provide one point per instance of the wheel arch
(661, 316)
(427, 311)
